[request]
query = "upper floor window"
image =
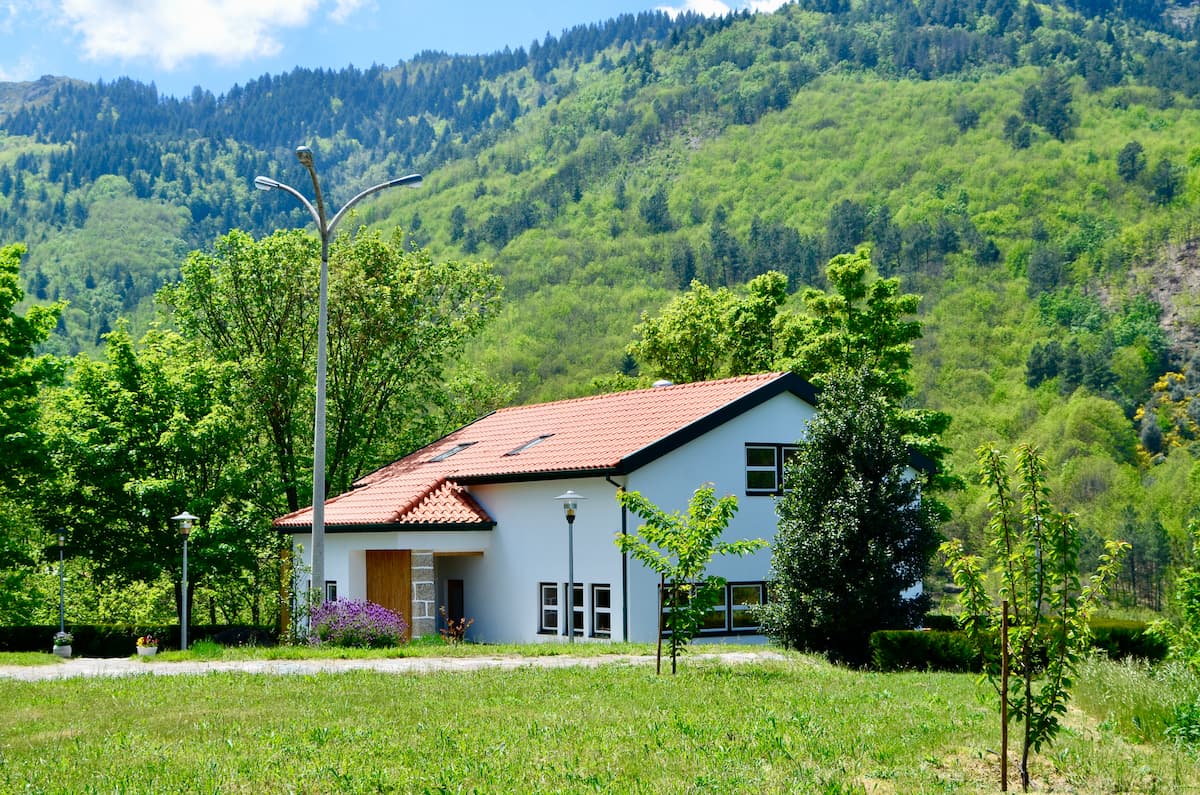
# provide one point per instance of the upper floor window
(764, 467)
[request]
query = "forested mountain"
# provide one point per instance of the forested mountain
(1029, 168)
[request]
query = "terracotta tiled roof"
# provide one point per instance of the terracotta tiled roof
(604, 434)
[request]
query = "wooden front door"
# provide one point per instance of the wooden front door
(389, 581)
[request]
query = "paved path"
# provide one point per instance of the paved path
(132, 666)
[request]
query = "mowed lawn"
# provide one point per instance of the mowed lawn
(798, 725)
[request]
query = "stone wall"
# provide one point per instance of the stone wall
(424, 601)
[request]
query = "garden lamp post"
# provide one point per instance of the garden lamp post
(326, 230)
(62, 602)
(570, 501)
(186, 522)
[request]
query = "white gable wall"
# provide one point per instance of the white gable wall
(718, 457)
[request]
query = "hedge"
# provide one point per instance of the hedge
(940, 650)
(121, 641)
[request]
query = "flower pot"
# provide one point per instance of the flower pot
(62, 651)
(147, 651)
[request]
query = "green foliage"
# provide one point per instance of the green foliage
(854, 534)
(678, 547)
(397, 322)
(1183, 635)
(706, 334)
(925, 650)
(22, 373)
(1042, 624)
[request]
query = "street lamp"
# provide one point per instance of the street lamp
(185, 521)
(305, 156)
(62, 602)
(570, 501)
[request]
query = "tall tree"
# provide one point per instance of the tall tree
(22, 373)
(854, 534)
(137, 438)
(398, 321)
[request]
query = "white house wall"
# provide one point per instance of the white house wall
(529, 546)
(717, 457)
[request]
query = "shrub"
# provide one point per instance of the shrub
(350, 622)
(928, 650)
(1121, 639)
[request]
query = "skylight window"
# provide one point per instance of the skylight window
(534, 442)
(458, 448)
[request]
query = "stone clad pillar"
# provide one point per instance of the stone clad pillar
(424, 594)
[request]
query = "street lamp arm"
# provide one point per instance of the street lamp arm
(412, 181)
(266, 183)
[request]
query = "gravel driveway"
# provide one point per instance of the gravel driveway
(133, 666)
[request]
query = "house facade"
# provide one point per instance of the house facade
(472, 523)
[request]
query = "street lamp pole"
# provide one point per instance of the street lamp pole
(186, 521)
(62, 602)
(570, 501)
(326, 230)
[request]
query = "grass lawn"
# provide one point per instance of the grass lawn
(798, 725)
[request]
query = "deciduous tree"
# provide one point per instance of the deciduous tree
(1040, 629)
(679, 548)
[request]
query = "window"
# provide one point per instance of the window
(331, 590)
(764, 467)
(602, 611)
(732, 614)
(576, 607)
(458, 448)
(531, 443)
(548, 608)
(743, 597)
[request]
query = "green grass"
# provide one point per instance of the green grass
(28, 658)
(798, 725)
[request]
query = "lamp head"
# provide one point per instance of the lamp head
(265, 183)
(305, 156)
(570, 501)
(186, 522)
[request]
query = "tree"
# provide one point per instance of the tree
(706, 334)
(22, 373)
(679, 548)
(1040, 629)
(397, 321)
(864, 324)
(136, 439)
(1131, 161)
(1164, 181)
(854, 534)
(1183, 635)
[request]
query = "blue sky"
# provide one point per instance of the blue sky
(179, 44)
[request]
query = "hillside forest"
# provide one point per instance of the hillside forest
(1029, 170)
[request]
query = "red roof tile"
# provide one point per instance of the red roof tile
(601, 434)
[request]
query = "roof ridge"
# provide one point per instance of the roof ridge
(646, 389)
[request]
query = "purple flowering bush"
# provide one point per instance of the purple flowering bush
(353, 622)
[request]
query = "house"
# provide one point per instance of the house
(471, 522)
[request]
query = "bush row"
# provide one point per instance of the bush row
(949, 650)
(121, 640)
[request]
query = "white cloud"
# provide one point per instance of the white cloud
(765, 6)
(708, 8)
(171, 32)
(716, 8)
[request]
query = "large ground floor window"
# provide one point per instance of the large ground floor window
(733, 612)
